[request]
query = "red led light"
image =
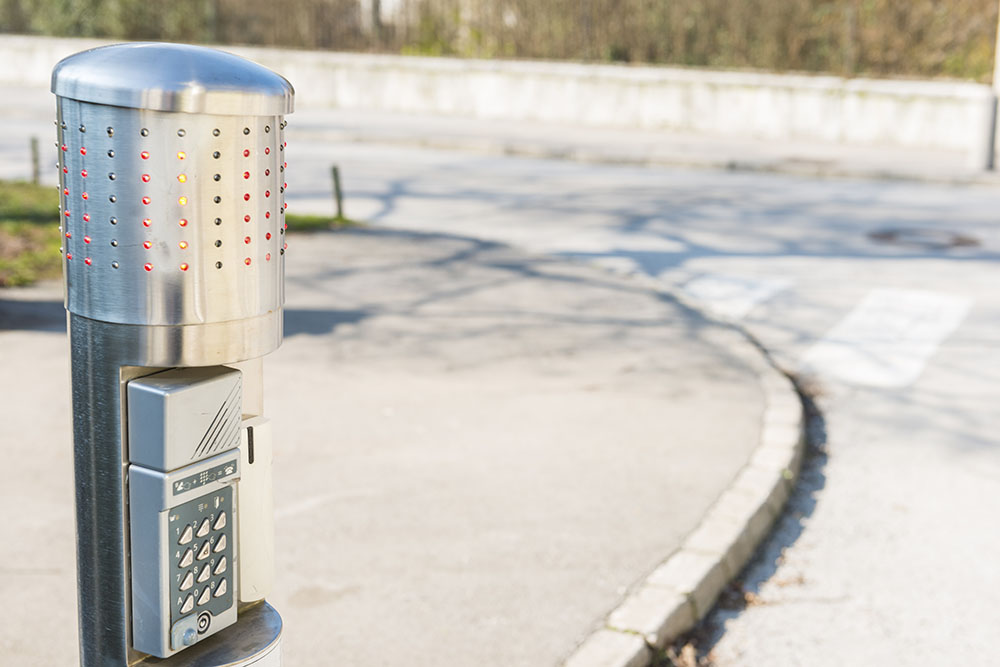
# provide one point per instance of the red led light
(286, 225)
(65, 191)
(267, 172)
(145, 156)
(285, 247)
(65, 170)
(268, 257)
(86, 217)
(246, 153)
(146, 200)
(84, 173)
(63, 147)
(246, 197)
(267, 193)
(87, 261)
(267, 150)
(146, 222)
(147, 244)
(285, 165)
(66, 213)
(267, 214)
(268, 236)
(247, 261)
(285, 185)
(246, 240)
(246, 218)
(285, 144)
(286, 204)
(184, 267)
(145, 178)
(68, 235)
(183, 222)
(83, 151)
(246, 174)
(147, 266)
(85, 195)
(69, 256)
(86, 239)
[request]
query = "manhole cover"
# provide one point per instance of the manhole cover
(926, 239)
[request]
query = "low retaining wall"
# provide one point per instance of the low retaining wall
(910, 114)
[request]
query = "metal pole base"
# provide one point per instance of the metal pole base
(254, 640)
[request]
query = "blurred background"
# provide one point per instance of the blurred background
(884, 38)
(529, 305)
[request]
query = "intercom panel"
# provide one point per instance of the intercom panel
(184, 553)
(183, 521)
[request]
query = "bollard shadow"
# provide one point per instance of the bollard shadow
(42, 315)
(317, 322)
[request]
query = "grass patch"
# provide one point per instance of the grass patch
(312, 223)
(29, 233)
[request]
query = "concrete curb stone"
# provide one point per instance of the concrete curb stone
(682, 590)
(607, 647)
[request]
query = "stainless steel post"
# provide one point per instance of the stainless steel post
(172, 180)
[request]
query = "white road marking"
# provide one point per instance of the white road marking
(732, 296)
(887, 339)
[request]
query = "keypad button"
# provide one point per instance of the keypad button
(186, 536)
(205, 573)
(205, 550)
(203, 529)
(206, 595)
(220, 521)
(220, 590)
(221, 544)
(188, 581)
(188, 604)
(220, 567)
(187, 558)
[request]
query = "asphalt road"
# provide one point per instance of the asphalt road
(881, 296)
(865, 289)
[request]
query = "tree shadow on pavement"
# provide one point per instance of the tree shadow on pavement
(433, 289)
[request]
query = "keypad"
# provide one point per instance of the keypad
(201, 577)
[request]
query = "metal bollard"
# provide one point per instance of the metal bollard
(172, 180)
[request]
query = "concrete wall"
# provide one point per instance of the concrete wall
(913, 114)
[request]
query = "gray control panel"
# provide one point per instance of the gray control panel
(183, 415)
(183, 522)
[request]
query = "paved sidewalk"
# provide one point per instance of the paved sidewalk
(28, 111)
(479, 453)
(636, 147)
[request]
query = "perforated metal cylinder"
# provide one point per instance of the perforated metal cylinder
(172, 180)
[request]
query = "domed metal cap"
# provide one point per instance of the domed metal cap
(172, 77)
